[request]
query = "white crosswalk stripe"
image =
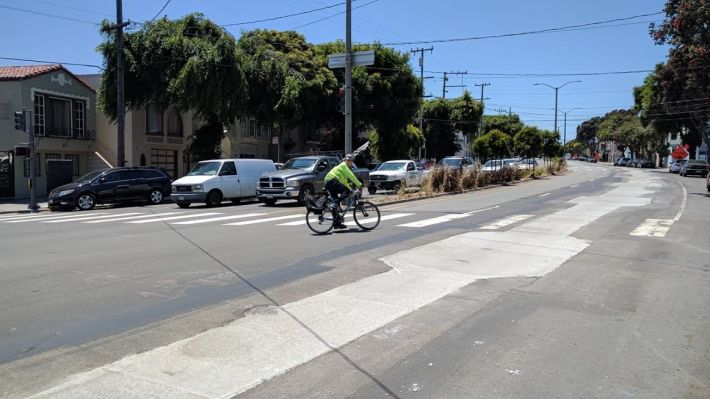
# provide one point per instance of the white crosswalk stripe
(161, 219)
(653, 228)
(82, 218)
(246, 215)
(273, 219)
(444, 218)
(348, 216)
(26, 216)
(117, 219)
(505, 222)
(51, 218)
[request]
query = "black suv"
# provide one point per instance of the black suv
(112, 185)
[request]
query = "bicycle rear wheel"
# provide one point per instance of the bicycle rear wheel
(320, 223)
(366, 215)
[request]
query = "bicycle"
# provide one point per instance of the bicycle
(323, 211)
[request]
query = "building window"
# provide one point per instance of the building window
(674, 136)
(79, 119)
(60, 117)
(174, 123)
(153, 121)
(39, 115)
(74, 163)
(248, 156)
(26, 166)
(165, 159)
(252, 127)
(243, 127)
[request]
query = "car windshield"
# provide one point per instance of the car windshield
(451, 162)
(89, 176)
(392, 166)
(205, 169)
(697, 163)
(300, 163)
(491, 163)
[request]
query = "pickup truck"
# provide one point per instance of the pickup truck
(299, 178)
(392, 175)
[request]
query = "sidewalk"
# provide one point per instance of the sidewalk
(19, 206)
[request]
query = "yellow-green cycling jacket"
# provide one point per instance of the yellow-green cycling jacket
(343, 174)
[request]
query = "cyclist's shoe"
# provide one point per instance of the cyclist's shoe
(340, 226)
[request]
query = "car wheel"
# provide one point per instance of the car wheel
(270, 202)
(86, 202)
(372, 189)
(155, 197)
(183, 205)
(214, 198)
(306, 191)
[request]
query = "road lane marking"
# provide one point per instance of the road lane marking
(246, 215)
(52, 218)
(231, 359)
(116, 219)
(26, 216)
(81, 218)
(545, 195)
(194, 215)
(653, 228)
(444, 218)
(505, 222)
(576, 185)
(263, 220)
(349, 216)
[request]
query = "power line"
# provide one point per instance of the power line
(50, 62)
(481, 74)
(161, 10)
(563, 28)
(331, 16)
(284, 16)
(72, 8)
(44, 14)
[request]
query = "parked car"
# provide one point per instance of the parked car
(299, 178)
(495, 164)
(111, 186)
(456, 162)
(216, 180)
(675, 166)
(621, 161)
(694, 167)
(529, 163)
(393, 175)
(645, 163)
(583, 159)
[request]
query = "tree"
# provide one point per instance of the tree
(551, 146)
(405, 144)
(288, 83)
(528, 142)
(190, 62)
(494, 144)
(684, 78)
(466, 114)
(623, 127)
(439, 132)
(508, 124)
(386, 95)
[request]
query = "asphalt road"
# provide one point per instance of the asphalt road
(621, 315)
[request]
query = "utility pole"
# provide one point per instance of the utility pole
(564, 138)
(443, 94)
(421, 77)
(29, 128)
(480, 125)
(556, 90)
(348, 79)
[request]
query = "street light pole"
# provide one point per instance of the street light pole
(564, 140)
(556, 88)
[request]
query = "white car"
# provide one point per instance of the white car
(529, 163)
(496, 164)
(392, 175)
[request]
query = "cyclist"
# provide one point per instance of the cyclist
(337, 182)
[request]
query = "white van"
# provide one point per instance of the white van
(216, 180)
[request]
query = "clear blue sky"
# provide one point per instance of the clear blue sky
(623, 47)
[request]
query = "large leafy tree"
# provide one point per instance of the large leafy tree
(528, 142)
(386, 95)
(439, 132)
(685, 77)
(289, 85)
(508, 124)
(551, 146)
(494, 144)
(648, 103)
(466, 113)
(190, 62)
(404, 144)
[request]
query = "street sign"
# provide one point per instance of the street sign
(275, 140)
(360, 58)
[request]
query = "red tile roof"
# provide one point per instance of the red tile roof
(28, 71)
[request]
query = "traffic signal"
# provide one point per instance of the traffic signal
(341, 105)
(20, 120)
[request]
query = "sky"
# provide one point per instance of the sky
(67, 32)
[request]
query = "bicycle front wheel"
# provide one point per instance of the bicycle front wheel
(320, 223)
(366, 215)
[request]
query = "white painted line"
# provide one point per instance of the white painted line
(576, 185)
(228, 360)
(481, 210)
(505, 222)
(386, 217)
(263, 220)
(246, 215)
(682, 206)
(87, 218)
(52, 218)
(132, 217)
(545, 195)
(194, 215)
(653, 228)
(26, 216)
(444, 218)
